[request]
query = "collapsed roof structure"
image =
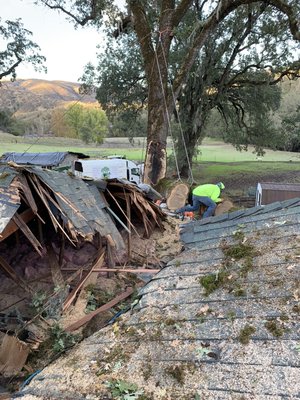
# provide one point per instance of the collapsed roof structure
(52, 223)
(70, 205)
(220, 321)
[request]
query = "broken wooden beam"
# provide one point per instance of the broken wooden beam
(12, 274)
(130, 270)
(12, 227)
(69, 300)
(27, 232)
(76, 325)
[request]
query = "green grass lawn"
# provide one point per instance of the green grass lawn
(216, 160)
(211, 150)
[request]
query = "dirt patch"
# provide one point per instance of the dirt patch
(243, 181)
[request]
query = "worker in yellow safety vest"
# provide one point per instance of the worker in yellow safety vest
(207, 195)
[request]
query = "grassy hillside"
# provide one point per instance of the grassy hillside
(25, 96)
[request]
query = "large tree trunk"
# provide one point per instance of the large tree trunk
(156, 154)
(156, 56)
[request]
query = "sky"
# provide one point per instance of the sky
(67, 50)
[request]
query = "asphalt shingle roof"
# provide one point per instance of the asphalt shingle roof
(183, 341)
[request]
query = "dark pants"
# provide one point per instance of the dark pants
(197, 202)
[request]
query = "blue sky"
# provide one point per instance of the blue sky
(67, 50)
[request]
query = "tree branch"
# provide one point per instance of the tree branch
(94, 12)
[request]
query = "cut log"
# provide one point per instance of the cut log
(224, 207)
(177, 197)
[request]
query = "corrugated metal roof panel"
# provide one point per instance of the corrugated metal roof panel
(49, 159)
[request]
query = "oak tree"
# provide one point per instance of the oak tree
(156, 25)
(16, 48)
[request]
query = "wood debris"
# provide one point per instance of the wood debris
(13, 355)
(74, 233)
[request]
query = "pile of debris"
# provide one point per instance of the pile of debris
(71, 252)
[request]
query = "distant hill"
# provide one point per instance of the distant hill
(32, 101)
(26, 96)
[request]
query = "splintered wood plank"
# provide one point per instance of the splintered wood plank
(27, 232)
(83, 281)
(105, 307)
(177, 197)
(38, 187)
(13, 355)
(23, 184)
(128, 212)
(12, 227)
(130, 270)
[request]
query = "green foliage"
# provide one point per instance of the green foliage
(60, 339)
(239, 251)
(177, 372)
(11, 124)
(291, 131)
(92, 302)
(275, 328)
(38, 300)
(123, 390)
(5, 119)
(18, 48)
(88, 123)
(128, 123)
